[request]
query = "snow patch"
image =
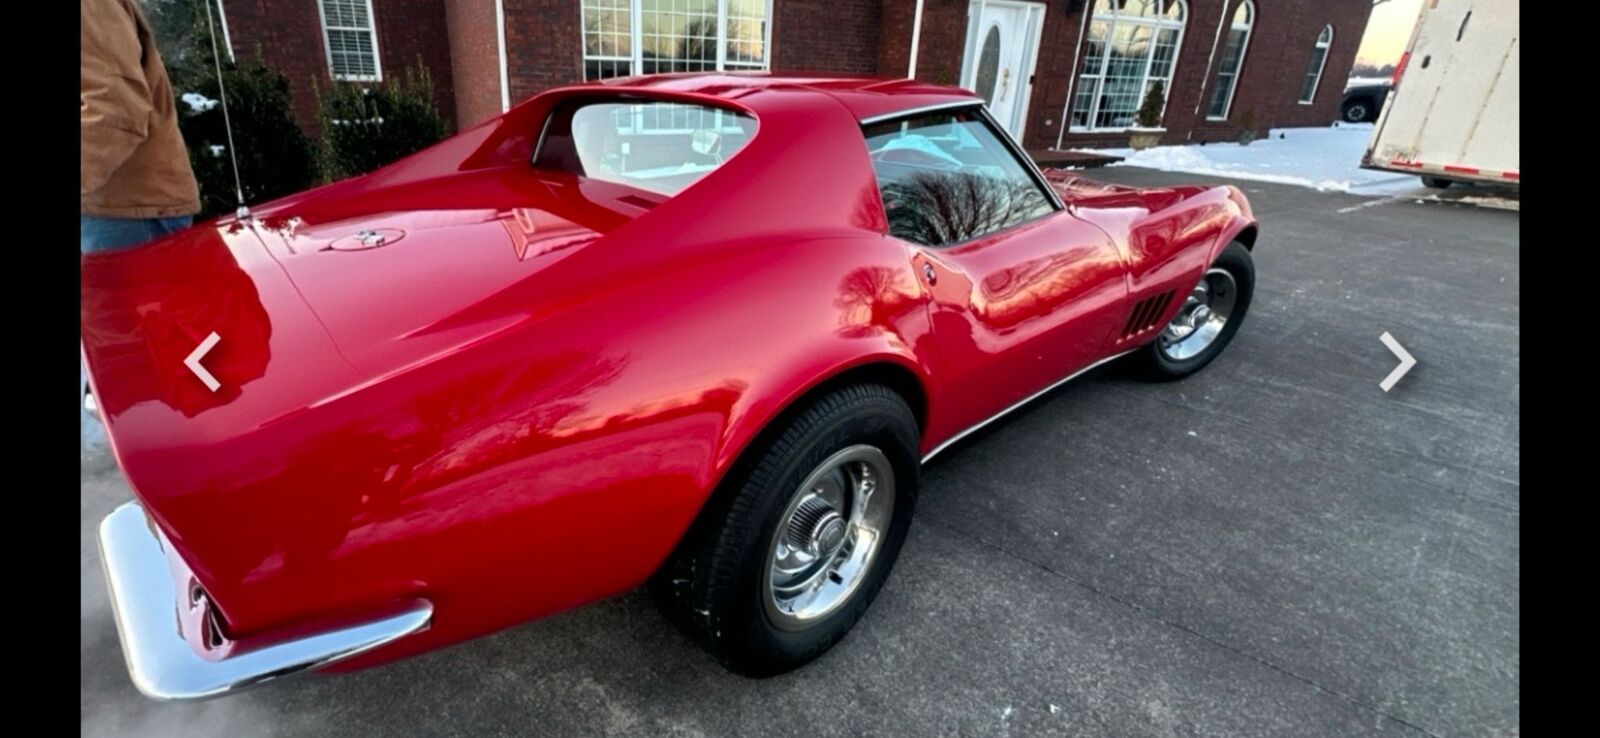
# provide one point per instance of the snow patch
(1327, 159)
(197, 102)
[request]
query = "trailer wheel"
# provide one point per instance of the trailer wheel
(1437, 183)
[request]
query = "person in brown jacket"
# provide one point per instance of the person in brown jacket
(135, 183)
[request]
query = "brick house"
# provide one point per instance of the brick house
(1059, 74)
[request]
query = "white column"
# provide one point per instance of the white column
(500, 30)
(916, 38)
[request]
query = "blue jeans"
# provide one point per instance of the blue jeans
(109, 234)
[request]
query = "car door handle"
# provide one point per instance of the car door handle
(929, 274)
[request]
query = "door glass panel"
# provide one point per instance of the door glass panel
(988, 66)
(947, 178)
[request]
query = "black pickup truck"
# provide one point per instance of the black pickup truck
(1363, 100)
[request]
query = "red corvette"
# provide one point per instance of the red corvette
(699, 332)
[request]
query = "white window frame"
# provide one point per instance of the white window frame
(636, 32)
(1113, 19)
(639, 124)
(227, 40)
(1249, 30)
(1325, 45)
(371, 29)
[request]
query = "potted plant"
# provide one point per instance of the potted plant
(1248, 132)
(1147, 130)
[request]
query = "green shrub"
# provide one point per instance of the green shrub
(275, 157)
(365, 126)
(1149, 115)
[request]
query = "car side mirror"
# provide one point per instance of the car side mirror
(706, 143)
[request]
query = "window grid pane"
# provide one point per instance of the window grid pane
(352, 45)
(1083, 100)
(678, 36)
(673, 36)
(1126, 65)
(1319, 56)
(607, 39)
(1228, 71)
(747, 34)
(346, 13)
(1129, 48)
(1308, 88)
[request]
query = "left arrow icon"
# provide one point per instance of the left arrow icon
(199, 352)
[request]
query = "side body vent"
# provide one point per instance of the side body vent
(1146, 315)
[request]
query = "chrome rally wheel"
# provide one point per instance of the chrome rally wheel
(1206, 321)
(1201, 319)
(829, 537)
(790, 551)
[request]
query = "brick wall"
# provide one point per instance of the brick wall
(1281, 41)
(412, 33)
(944, 39)
(1280, 46)
(544, 48)
(475, 59)
(1058, 51)
(457, 41)
(287, 35)
(839, 36)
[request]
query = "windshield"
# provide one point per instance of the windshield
(656, 146)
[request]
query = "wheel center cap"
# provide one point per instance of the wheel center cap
(829, 533)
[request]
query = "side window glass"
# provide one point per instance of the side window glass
(946, 178)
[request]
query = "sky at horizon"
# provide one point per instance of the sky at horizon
(1388, 31)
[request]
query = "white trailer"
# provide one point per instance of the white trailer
(1452, 114)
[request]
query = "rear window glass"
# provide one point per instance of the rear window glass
(660, 147)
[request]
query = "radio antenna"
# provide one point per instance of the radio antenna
(227, 122)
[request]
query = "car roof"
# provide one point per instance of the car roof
(865, 97)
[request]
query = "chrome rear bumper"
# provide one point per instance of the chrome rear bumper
(169, 664)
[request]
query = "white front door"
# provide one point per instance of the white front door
(1002, 46)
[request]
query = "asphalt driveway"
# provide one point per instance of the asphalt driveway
(1273, 547)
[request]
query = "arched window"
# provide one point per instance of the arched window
(1232, 60)
(1319, 57)
(1132, 46)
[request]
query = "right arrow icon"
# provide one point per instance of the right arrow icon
(1406, 361)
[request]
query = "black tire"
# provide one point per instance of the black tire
(1438, 183)
(714, 586)
(1358, 110)
(1153, 360)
